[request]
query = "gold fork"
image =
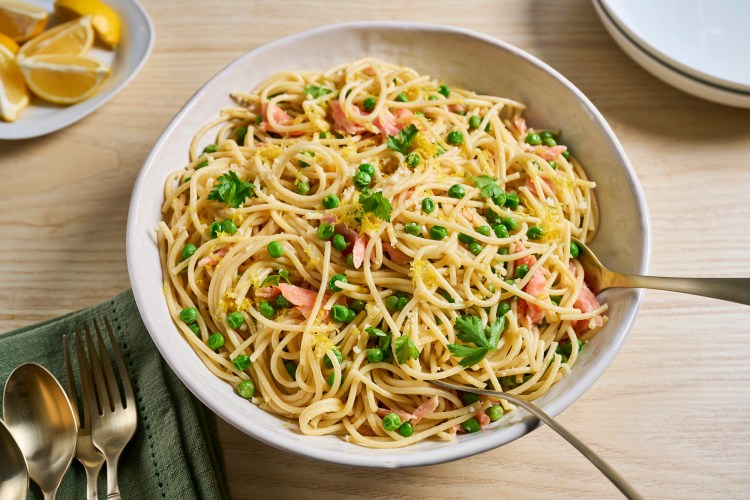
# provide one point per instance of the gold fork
(86, 453)
(115, 421)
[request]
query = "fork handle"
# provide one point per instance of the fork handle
(731, 289)
(113, 489)
(92, 478)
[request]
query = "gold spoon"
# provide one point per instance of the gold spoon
(38, 414)
(14, 475)
(587, 452)
(599, 278)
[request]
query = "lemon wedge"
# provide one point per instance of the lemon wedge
(63, 79)
(13, 94)
(9, 43)
(105, 20)
(21, 21)
(73, 38)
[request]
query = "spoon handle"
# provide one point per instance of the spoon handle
(731, 289)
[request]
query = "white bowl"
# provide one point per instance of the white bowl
(460, 58)
(676, 75)
(136, 42)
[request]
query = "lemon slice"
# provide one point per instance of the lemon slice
(73, 38)
(63, 79)
(21, 21)
(9, 43)
(13, 94)
(105, 19)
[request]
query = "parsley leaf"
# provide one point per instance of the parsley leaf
(487, 186)
(232, 190)
(402, 142)
(470, 330)
(405, 349)
(496, 329)
(275, 279)
(376, 204)
(316, 91)
(470, 355)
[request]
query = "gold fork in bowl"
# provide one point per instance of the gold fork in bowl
(86, 453)
(115, 419)
(599, 278)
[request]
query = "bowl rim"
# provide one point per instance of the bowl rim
(387, 459)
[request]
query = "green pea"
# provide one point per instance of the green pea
(413, 228)
(406, 429)
(275, 249)
(303, 188)
(331, 379)
(566, 154)
(241, 133)
(413, 159)
(357, 305)
(241, 362)
(502, 309)
(402, 98)
(502, 251)
(188, 251)
(258, 119)
(495, 412)
(484, 230)
(246, 389)
(291, 369)
(324, 135)
(521, 271)
(534, 139)
(337, 277)
(552, 164)
(339, 312)
(465, 238)
(267, 309)
(228, 226)
(340, 243)
(549, 141)
(432, 98)
(501, 231)
(304, 164)
(350, 315)
(455, 137)
(391, 422)
(391, 303)
(511, 282)
(556, 299)
(331, 201)
(367, 168)
(362, 179)
(375, 355)
(202, 164)
(211, 148)
(189, 314)
(546, 134)
(456, 191)
(512, 201)
(235, 319)
(471, 425)
(337, 354)
(215, 229)
(475, 248)
(574, 250)
(369, 104)
(215, 341)
(402, 302)
(195, 328)
(438, 232)
(428, 206)
(445, 90)
(500, 199)
(535, 232)
(469, 398)
(350, 260)
(510, 223)
(282, 302)
(475, 121)
(325, 231)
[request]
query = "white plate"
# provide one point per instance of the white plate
(460, 58)
(707, 40)
(668, 74)
(137, 39)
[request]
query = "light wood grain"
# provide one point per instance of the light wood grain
(671, 413)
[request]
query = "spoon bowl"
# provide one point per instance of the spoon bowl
(599, 278)
(39, 416)
(14, 474)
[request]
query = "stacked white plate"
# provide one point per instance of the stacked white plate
(698, 46)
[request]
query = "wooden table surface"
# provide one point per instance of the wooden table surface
(672, 411)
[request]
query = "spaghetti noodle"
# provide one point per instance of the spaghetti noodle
(350, 236)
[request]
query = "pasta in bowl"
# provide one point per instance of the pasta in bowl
(340, 238)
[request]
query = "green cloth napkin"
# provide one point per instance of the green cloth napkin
(174, 453)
